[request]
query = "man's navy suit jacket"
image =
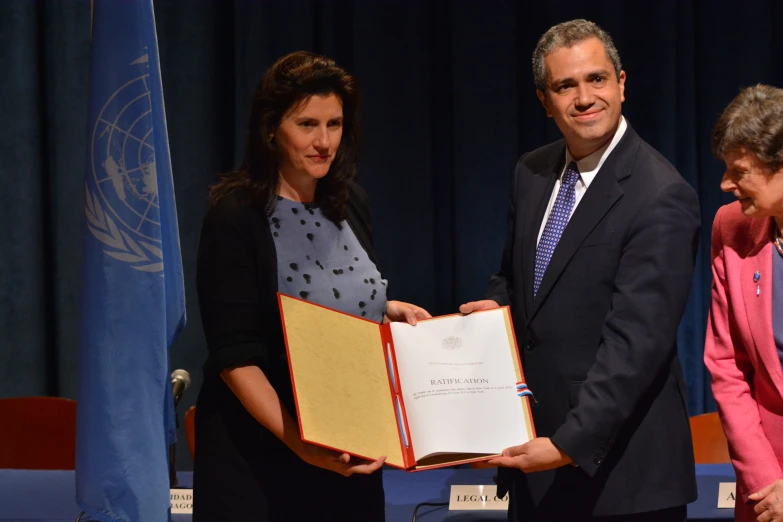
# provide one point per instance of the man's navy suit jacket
(599, 341)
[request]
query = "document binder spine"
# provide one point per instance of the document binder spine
(523, 390)
(399, 405)
(397, 408)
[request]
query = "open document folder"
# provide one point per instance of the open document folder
(447, 391)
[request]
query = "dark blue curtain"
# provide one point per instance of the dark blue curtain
(449, 107)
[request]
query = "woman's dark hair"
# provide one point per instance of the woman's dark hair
(754, 121)
(290, 82)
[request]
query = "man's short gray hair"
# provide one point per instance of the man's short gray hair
(568, 34)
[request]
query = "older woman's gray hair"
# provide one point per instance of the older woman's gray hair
(568, 34)
(753, 121)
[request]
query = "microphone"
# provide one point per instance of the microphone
(180, 381)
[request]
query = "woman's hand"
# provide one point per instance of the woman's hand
(404, 312)
(343, 463)
(769, 502)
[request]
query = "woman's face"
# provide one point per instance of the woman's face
(759, 191)
(308, 138)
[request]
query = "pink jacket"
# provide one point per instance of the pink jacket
(740, 352)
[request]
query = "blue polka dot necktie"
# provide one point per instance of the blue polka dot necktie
(558, 219)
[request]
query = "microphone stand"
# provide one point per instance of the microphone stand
(180, 381)
(173, 483)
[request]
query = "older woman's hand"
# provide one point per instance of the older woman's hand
(404, 312)
(769, 503)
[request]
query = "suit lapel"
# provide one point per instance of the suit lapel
(601, 196)
(537, 199)
(757, 297)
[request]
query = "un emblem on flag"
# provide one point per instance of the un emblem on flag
(122, 204)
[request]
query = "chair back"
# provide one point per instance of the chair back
(709, 441)
(37, 433)
(190, 430)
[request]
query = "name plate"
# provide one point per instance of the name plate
(727, 494)
(181, 501)
(476, 498)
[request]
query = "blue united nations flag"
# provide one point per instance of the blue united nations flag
(133, 299)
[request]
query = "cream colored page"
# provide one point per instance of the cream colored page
(459, 385)
(340, 380)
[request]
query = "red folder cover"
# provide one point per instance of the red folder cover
(348, 391)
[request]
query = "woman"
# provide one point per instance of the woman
(744, 345)
(290, 219)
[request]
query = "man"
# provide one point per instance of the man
(602, 238)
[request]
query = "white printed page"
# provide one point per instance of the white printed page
(458, 384)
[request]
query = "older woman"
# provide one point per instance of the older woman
(744, 345)
(290, 219)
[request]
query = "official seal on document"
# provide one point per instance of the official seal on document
(451, 343)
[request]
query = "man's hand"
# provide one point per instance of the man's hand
(537, 455)
(476, 306)
(398, 311)
(769, 503)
